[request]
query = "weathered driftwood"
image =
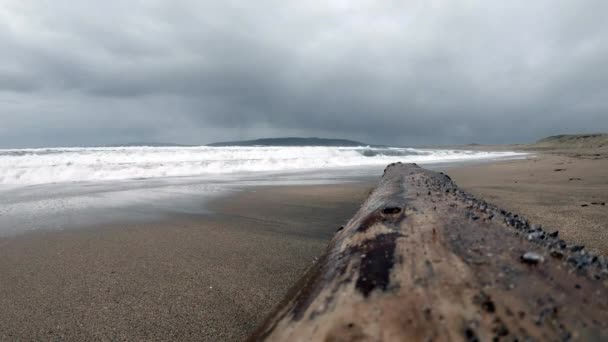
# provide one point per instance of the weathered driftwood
(423, 260)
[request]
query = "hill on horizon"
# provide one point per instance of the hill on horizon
(598, 140)
(292, 141)
(148, 144)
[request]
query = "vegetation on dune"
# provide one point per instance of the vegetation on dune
(571, 141)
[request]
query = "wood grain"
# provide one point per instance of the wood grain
(424, 261)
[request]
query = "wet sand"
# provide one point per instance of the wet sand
(560, 192)
(199, 278)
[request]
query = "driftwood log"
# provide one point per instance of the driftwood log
(424, 261)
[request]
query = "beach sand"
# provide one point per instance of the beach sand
(212, 277)
(560, 192)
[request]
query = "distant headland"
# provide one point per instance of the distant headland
(293, 141)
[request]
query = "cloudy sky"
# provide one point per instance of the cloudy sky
(395, 72)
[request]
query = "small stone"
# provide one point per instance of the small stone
(557, 254)
(580, 261)
(601, 260)
(536, 236)
(532, 258)
(554, 234)
(576, 248)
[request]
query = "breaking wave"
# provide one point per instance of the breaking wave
(55, 165)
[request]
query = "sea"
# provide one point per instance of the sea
(59, 188)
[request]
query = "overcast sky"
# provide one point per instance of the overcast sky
(394, 72)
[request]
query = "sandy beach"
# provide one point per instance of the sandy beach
(211, 278)
(563, 192)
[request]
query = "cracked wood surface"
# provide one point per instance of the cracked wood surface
(423, 260)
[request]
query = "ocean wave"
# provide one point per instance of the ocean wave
(56, 165)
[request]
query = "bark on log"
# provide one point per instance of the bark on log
(423, 260)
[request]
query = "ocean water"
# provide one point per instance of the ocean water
(62, 165)
(64, 188)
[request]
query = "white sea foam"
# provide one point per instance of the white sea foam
(56, 165)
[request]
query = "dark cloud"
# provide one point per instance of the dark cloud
(86, 73)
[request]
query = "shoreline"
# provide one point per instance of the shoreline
(88, 205)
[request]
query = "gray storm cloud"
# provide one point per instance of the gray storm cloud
(396, 72)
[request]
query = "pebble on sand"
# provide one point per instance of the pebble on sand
(532, 258)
